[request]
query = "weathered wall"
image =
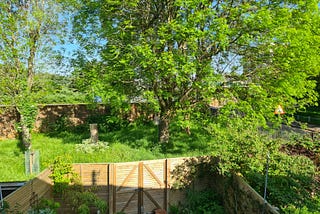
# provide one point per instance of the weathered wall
(145, 185)
(242, 198)
(48, 117)
(8, 118)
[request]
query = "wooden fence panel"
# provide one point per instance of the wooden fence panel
(124, 186)
(94, 176)
(134, 187)
(154, 185)
(25, 197)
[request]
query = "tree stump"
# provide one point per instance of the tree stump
(94, 133)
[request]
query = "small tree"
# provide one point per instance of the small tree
(27, 31)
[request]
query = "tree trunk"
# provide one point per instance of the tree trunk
(163, 130)
(25, 133)
(187, 129)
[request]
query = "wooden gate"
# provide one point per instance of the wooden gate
(138, 187)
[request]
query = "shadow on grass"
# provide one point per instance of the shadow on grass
(69, 137)
(182, 143)
(142, 136)
(134, 136)
(20, 146)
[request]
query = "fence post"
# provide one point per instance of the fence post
(32, 165)
(140, 189)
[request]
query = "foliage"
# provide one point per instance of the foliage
(28, 28)
(106, 123)
(62, 174)
(242, 145)
(51, 88)
(179, 55)
(239, 140)
(185, 174)
(304, 210)
(205, 201)
(67, 185)
(88, 147)
(45, 206)
(60, 125)
(4, 207)
(291, 180)
(29, 112)
(82, 200)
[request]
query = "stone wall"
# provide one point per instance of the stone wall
(242, 198)
(49, 116)
(8, 118)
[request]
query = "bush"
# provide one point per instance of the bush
(67, 185)
(290, 182)
(45, 206)
(205, 202)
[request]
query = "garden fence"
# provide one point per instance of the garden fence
(140, 187)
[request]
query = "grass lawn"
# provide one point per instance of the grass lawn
(129, 144)
(134, 143)
(12, 164)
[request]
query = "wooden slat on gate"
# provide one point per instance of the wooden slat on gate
(138, 187)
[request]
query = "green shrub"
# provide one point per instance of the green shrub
(304, 210)
(82, 200)
(67, 185)
(4, 206)
(62, 174)
(45, 206)
(205, 202)
(290, 182)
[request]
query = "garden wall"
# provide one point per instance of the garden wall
(140, 187)
(8, 118)
(50, 117)
(242, 198)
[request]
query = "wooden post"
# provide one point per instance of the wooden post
(31, 161)
(166, 174)
(94, 133)
(140, 189)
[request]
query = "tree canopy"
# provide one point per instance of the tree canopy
(179, 55)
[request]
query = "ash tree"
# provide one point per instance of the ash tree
(178, 55)
(29, 30)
